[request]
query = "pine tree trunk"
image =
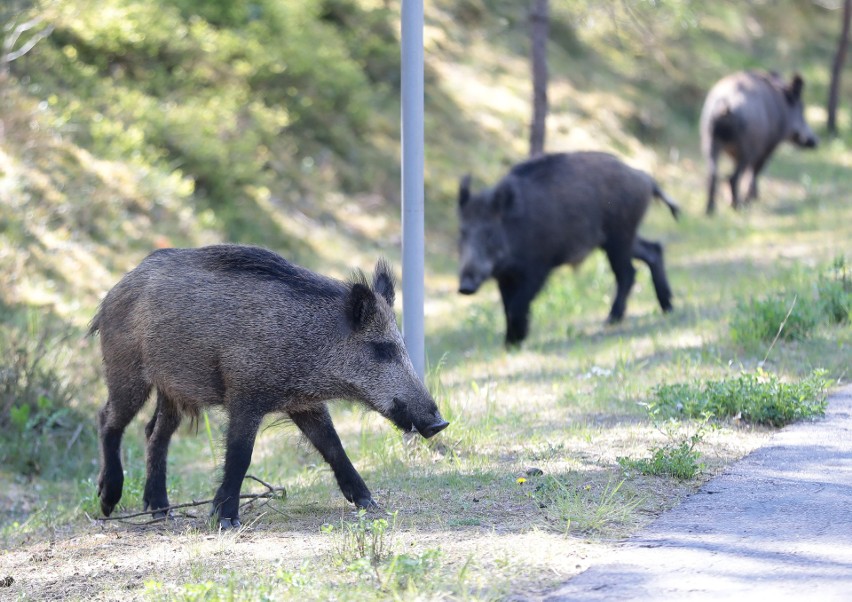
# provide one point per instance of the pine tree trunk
(539, 25)
(837, 69)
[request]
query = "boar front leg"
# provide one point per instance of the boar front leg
(752, 186)
(619, 253)
(517, 292)
(317, 427)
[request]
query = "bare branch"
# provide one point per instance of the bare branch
(271, 493)
(38, 37)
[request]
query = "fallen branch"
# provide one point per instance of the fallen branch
(271, 493)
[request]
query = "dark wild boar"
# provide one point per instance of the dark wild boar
(553, 210)
(747, 115)
(240, 327)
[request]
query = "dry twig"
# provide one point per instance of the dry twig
(271, 493)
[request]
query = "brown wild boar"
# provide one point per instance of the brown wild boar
(552, 210)
(241, 328)
(747, 115)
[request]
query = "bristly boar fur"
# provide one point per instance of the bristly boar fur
(552, 210)
(746, 115)
(241, 328)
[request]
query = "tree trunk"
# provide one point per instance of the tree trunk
(539, 25)
(837, 69)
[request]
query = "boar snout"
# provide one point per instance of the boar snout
(428, 423)
(809, 142)
(434, 429)
(469, 283)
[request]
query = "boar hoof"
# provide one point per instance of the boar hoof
(106, 508)
(366, 503)
(229, 523)
(109, 492)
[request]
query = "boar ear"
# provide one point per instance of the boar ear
(794, 90)
(464, 190)
(360, 304)
(503, 199)
(384, 282)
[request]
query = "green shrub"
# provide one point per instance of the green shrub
(756, 397)
(39, 425)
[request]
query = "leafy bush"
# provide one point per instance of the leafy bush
(757, 397)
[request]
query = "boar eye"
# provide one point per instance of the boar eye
(385, 352)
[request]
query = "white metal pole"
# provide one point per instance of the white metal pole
(412, 183)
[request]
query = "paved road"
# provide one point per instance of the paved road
(776, 526)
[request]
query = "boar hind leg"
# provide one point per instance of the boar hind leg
(752, 185)
(712, 175)
(734, 182)
(242, 431)
(123, 403)
(619, 253)
(158, 433)
(652, 254)
(318, 428)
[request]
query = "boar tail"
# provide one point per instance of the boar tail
(673, 207)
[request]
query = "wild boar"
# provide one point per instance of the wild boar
(554, 210)
(241, 328)
(746, 115)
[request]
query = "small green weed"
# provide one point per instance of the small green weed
(677, 458)
(679, 461)
(364, 544)
(365, 548)
(757, 397)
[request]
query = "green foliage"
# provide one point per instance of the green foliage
(38, 422)
(794, 313)
(835, 292)
(757, 397)
(781, 314)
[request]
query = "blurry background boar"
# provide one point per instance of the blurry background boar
(747, 115)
